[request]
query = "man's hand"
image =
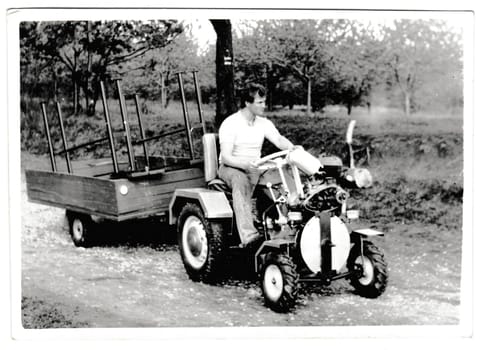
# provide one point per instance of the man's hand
(250, 165)
(293, 148)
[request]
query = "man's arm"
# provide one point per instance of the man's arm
(283, 143)
(273, 135)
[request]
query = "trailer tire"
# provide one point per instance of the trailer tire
(201, 244)
(80, 226)
(373, 282)
(279, 282)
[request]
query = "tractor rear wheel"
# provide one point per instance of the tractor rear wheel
(201, 244)
(279, 282)
(369, 270)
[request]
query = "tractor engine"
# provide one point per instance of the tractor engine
(326, 197)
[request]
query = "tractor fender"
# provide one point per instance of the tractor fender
(214, 203)
(366, 232)
(273, 245)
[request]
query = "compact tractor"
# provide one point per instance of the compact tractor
(303, 215)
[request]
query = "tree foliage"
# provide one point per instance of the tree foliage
(153, 74)
(416, 63)
(279, 49)
(317, 62)
(309, 61)
(418, 51)
(87, 49)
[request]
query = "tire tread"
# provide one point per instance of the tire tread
(379, 284)
(289, 296)
(211, 270)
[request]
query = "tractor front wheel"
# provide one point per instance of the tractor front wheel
(368, 270)
(279, 282)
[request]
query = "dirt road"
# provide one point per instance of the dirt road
(135, 278)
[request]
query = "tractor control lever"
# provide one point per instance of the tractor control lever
(281, 200)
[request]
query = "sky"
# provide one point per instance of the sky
(204, 34)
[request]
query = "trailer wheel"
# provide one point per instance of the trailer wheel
(80, 226)
(279, 282)
(201, 244)
(369, 270)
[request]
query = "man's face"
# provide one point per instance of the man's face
(258, 105)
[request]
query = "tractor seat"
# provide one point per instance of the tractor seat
(211, 164)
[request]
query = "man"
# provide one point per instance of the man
(241, 137)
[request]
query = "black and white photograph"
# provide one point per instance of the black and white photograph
(240, 173)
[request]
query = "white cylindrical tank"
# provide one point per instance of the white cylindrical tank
(305, 161)
(310, 244)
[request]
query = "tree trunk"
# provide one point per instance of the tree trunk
(163, 92)
(75, 89)
(226, 101)
(75, 98)
(349, 108)
(165, 96)
(309, 97)
(407, 103)
(54, 77)
(90, 99)
(271, 86)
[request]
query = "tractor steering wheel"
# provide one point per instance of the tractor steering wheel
(271, 158)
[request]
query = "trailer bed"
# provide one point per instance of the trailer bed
(93, 193)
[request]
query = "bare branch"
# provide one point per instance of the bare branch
(138, 52)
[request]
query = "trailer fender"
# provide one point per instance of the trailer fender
(214, 203)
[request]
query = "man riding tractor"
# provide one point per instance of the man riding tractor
(241, 137)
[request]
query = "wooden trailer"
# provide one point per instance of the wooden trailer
(139, 187)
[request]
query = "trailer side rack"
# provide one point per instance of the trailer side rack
(138, 167)
(119, 190)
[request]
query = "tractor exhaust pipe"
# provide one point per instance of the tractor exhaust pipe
(348, 139)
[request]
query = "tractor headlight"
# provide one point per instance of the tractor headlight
(361, 177)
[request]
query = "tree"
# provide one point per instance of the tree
(87, 48)
(292, 48)
(152, 74)
(226, 102)
(356, 67)
(417, 51)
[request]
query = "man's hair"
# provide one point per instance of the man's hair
(250, 93)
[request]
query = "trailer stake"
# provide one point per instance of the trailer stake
(109, 129)
(49, 141)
